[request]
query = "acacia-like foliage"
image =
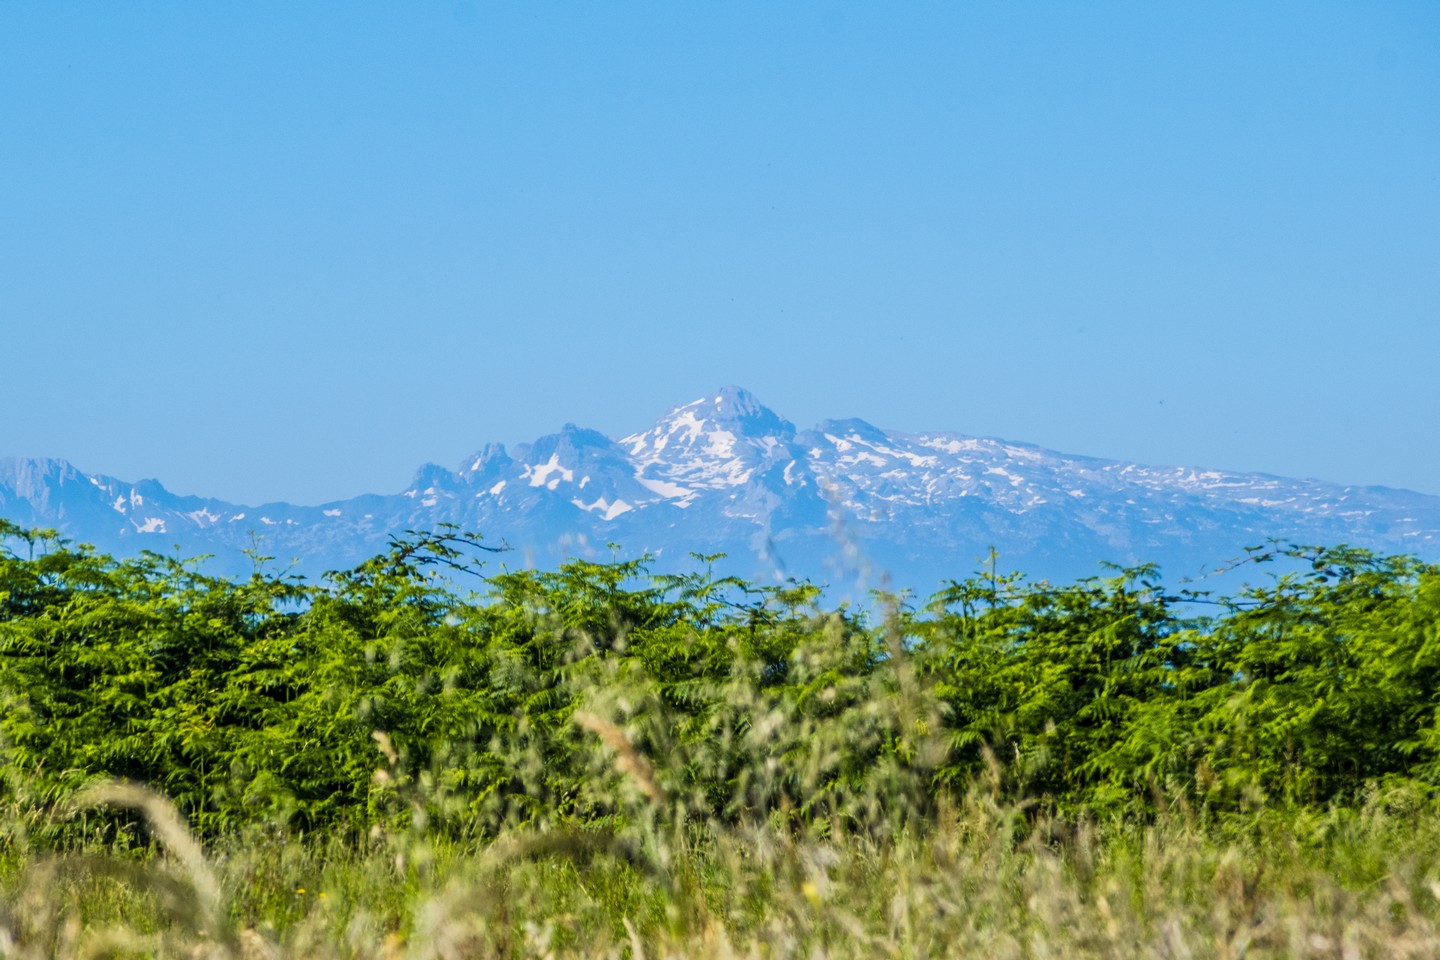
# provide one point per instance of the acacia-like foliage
(320, 702)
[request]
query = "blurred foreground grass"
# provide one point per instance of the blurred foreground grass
(981, 880)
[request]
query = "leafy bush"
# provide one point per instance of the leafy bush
(248, 701)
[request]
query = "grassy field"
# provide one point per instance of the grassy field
(981, 880)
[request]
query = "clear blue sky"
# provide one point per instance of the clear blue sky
(278, 250)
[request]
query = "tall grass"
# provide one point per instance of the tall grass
(979, 878)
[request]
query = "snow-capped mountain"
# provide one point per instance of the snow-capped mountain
(843, 502)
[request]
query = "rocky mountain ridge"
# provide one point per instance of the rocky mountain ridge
(843, 502)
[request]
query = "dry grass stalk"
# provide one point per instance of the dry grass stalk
(628, 759)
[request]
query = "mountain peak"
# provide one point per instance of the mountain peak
(433, 475)
(730, 408)
(33, 478)
(491, 457)
(571, 445)
(718, 440)
(734, 402)
(852, 427)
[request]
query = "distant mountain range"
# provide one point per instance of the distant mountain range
(843, 502)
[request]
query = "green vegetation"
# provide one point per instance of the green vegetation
(597, 761)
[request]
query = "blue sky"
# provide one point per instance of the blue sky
(291, 251)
